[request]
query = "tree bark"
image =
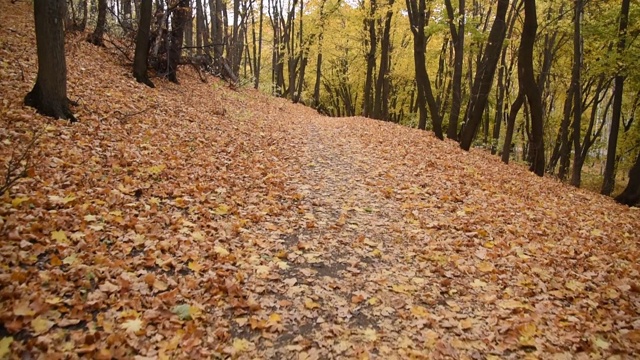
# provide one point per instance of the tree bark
(530, 88)
(457, 35)
(577, 91)
(96, 38)
(631, 194)
(610, 166)
(370, 26)
(381, 102)
(179, 19)
(49, 94)
(484, 76)
(142, 45)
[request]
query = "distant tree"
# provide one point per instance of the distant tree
(530, 88)
(381, 103)
(610, 166)
(417, 12)
(96, 37)
(49, 94)
(179, 19)
(372, 43)
(457, 35)
(631, 194)
(142, 44)
(484, 76)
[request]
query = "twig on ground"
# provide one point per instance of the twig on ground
(19, 164)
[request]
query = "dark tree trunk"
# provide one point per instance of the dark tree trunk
(416, 11)
(179, 19)
(49, 94)
(370, 26)
(511, 123)
(126, 16)
(142, 44)
(201, 30)
(565, 145)
(457, 35)
(96, 38)
(530, 88)
(577, 91)
(484, 76)
(495, 136)
(215, 7)
(188, 36)
(381, 102)
(631, 194)
(610, 166)
(316, 88)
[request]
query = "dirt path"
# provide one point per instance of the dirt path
(392, 263)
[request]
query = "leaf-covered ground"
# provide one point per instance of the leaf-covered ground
(197, 221)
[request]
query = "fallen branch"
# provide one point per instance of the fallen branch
(19, 164)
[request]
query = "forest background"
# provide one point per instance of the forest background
(450, 67)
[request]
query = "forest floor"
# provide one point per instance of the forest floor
(198, 221)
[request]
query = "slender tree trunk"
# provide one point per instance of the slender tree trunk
(417, 13)
(457, 36)
(565, 145)
(381, 103)
(96, 38)
(215, 7)
(610, 166)
(484, 76)
(530, 88)
(49, 94)
(201, 31)
(499, 105)
(577, 91)
(370, 25)
(511, 123)
(179, 19)
(142, 45)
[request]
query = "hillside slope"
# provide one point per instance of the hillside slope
(196, 221)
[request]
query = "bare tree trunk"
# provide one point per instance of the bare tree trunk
(372, 41)
(49, 94)
(484, 76)
(179, 19)
(96, 38)
(381, 104)
(577, 90)
(631, 194)
(142, 45)
(457, 35)
(530, 88)
(610, 166)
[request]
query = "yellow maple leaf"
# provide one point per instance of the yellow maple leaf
(197, 236)
(19, 200)
(59, 236)
(420, 311)
(41, 325)
(275, 318)
(23, 309)
(310, 304)
(486, 266)
(132, 325)
(241, 345)
(194, 266)
(5, 346)
(220, 251)
(156, 170)
(370, 335)
(222, 209)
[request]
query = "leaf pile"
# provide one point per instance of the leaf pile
(196, 221)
